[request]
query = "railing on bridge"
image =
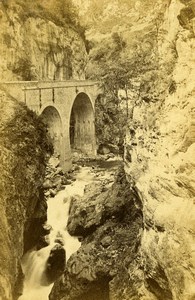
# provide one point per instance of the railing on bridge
(19, 89)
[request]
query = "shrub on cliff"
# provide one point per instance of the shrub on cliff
(26, 135)
(24, 151)
(61, 12)
(124, 56)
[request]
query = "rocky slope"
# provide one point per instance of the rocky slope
(108, 220)
(159, 165)
(23, 148)
(34, 46)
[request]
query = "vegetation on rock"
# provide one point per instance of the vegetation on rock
(23, 151)
(61, 12)
(123, 43)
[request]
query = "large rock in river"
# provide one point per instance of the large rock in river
(56, 263)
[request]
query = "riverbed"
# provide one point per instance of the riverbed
(34, 262)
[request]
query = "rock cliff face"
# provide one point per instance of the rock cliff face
(34, 47)
(159, 166)
(23, 147)
(160, 154)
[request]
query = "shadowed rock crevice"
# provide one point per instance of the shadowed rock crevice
(157, 281)
(98, 290)
(34, 227)
(160, 291)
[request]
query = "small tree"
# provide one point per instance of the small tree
(118, 69)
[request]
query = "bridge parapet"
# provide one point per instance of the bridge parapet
(19, 89)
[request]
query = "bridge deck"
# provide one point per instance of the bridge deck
(50, 84)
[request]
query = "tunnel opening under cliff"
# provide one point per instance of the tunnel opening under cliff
(52, 119)
(82, 130)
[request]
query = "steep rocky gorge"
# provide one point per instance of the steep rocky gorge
(159, 166)
(137, 231)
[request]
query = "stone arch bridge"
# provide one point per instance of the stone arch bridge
(68, 109)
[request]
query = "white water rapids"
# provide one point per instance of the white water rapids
(34, 262)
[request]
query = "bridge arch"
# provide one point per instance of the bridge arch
(81, 125)
(52, 119)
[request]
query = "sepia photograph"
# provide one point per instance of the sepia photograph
(97, 149)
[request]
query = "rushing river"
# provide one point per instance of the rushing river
(34, 262)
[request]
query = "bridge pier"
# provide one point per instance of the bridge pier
(67, 107)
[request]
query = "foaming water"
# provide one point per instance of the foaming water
(34, 262)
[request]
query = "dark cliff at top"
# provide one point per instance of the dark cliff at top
(41, 40)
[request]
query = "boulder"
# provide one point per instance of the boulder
(52, 192)
(106, 241)
(56, 263)
(54, 162)
(59, 171)
(56, 181)
(110, 232)
(108, 148)
(47, 184)
(103, 149)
